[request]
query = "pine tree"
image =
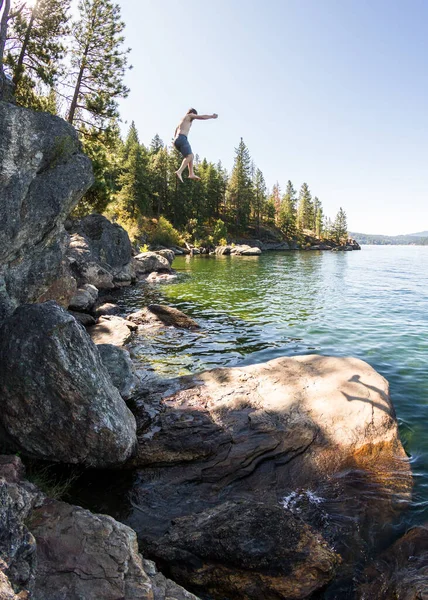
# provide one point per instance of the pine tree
(287, 213)
(241, 191)
(276, 197)
(305, 209)
(133, 196)
(340, 227)
(156, 144)
(259, 197)
(318, 217)
(35, 49)
(104, 150)
(99, 63)
(158, 174)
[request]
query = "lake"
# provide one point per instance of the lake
(370, 304)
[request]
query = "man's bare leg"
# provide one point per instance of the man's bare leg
(191, 173)
(184, 164)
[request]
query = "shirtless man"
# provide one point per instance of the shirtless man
(182, 144)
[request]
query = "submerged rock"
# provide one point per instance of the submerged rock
(43, 175)
(57, 400)
(172, 316)
(399, 572)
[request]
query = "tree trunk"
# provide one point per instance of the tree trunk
(19, 67)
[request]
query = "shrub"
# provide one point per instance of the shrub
(220, 232)
(165, 234)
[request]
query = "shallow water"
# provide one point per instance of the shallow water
(370, 304)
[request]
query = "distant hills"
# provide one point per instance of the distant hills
(418, 239)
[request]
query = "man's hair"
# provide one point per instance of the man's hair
(192, 111)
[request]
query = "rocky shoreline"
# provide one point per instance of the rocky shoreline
(262, 482)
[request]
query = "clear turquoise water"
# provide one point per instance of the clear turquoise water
(370, 304)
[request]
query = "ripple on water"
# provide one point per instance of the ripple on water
(370, 304)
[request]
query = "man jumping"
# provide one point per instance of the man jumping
(182, 143)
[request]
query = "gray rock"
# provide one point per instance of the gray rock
(100, 252)
(111, 329)
(167, 253)
(84, 299)
(146, 262)
(83, 318)
(120, 367)
(7, 89)
(57, 399)
(43, 175)
(163, 588)
(271, 246)
(17, 544)
(83, 556)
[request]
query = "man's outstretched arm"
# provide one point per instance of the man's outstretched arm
(203, 117)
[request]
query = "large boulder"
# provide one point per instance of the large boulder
(43, 175)
(100, 252)
(111, 329)
(82, 555)
(146, 262)
(247, 550)
(120, 367)
(315, 434)
(84, 298)
(58, 402)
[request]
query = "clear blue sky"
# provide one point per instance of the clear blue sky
(331, 92)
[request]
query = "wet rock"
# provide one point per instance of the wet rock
(120, 367)
(399, 572)
(247, 550)
(172, 316)
(111, 329)
(58, 401)
(146, 262)
(100, 252)
(163, 588)
(82, 555)
(17, 545)
(84, 299)
(44, 174)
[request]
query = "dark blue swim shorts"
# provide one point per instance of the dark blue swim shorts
(182, 144)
